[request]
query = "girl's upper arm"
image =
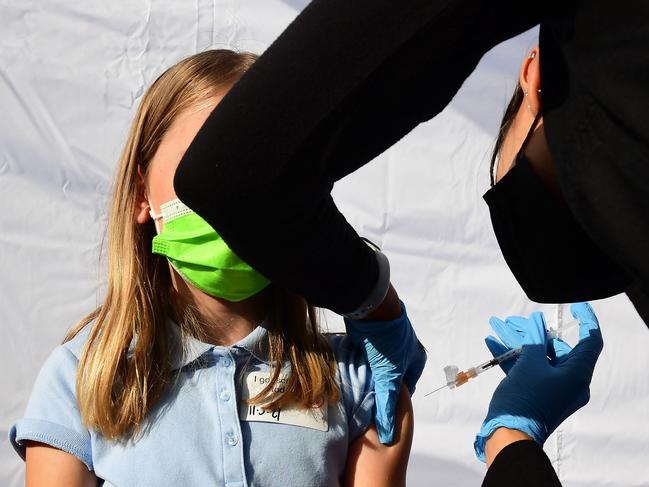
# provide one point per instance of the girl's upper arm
(52, 418)
(51, 467)
(372, 464)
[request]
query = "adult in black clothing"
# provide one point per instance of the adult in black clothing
(348, 79)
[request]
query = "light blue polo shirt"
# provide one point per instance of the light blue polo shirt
(195, 436)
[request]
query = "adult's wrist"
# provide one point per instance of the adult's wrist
(501, 438)
(378, 305)
(525, 425)
(389, 309)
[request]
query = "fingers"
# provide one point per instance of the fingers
(496, 348)
(535, 340)
(385, 404)
(517, 331)
(558, 350)
(508, 331)
(518, 323)
(587, 320)
(590, 343)
(536, 334)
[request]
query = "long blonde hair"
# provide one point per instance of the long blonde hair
(116, 388)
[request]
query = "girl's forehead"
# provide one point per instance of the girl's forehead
(173, 145)
(185, 126)
(179, 136)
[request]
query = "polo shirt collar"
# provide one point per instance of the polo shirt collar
(255, 344)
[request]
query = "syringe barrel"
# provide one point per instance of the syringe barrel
(508, 354)
(497, 360)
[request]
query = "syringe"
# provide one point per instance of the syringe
(455, 377)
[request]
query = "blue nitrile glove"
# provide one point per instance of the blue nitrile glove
(539, 394)
(511, 332)
(394, 354)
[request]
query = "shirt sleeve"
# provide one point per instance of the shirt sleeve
(523, 463)
(319, 106)
(356, 385)
(52, 415)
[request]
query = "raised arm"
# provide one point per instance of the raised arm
(340, 85)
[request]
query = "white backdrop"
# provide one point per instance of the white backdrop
(71, 75)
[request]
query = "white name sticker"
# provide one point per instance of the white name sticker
(254, 383)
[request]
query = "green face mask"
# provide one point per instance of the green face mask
(201, 256)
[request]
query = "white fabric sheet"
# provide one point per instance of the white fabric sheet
(71, 75)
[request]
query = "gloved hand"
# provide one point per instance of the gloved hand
(512, 331)
(538, 394)
(394, 354)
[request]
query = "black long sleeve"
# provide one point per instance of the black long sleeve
(341, 84)
(346, 80)
(521, 464)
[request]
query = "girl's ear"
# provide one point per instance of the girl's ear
(530, 81)
(141, 205)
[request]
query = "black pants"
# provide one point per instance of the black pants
(345, 81)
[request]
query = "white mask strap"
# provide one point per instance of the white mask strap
(169, 211)
(151, 212)
(174, 209)
(154, 216)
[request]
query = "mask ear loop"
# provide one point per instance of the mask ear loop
(536, 119)
(154, 217)
(527, 137)
(494, 168)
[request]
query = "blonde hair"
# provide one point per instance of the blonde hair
(115, 387)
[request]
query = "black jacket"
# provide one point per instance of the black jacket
(595, 78)
(346, 80)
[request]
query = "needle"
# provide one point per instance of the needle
(438, 389)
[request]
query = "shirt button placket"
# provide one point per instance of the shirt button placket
(233, 466)
(225, 395)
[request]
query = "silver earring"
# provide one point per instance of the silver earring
(529, 107)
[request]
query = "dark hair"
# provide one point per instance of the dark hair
(505, 124)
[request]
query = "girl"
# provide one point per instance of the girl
(196, 370)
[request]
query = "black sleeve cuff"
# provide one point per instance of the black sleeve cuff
(523, 464)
